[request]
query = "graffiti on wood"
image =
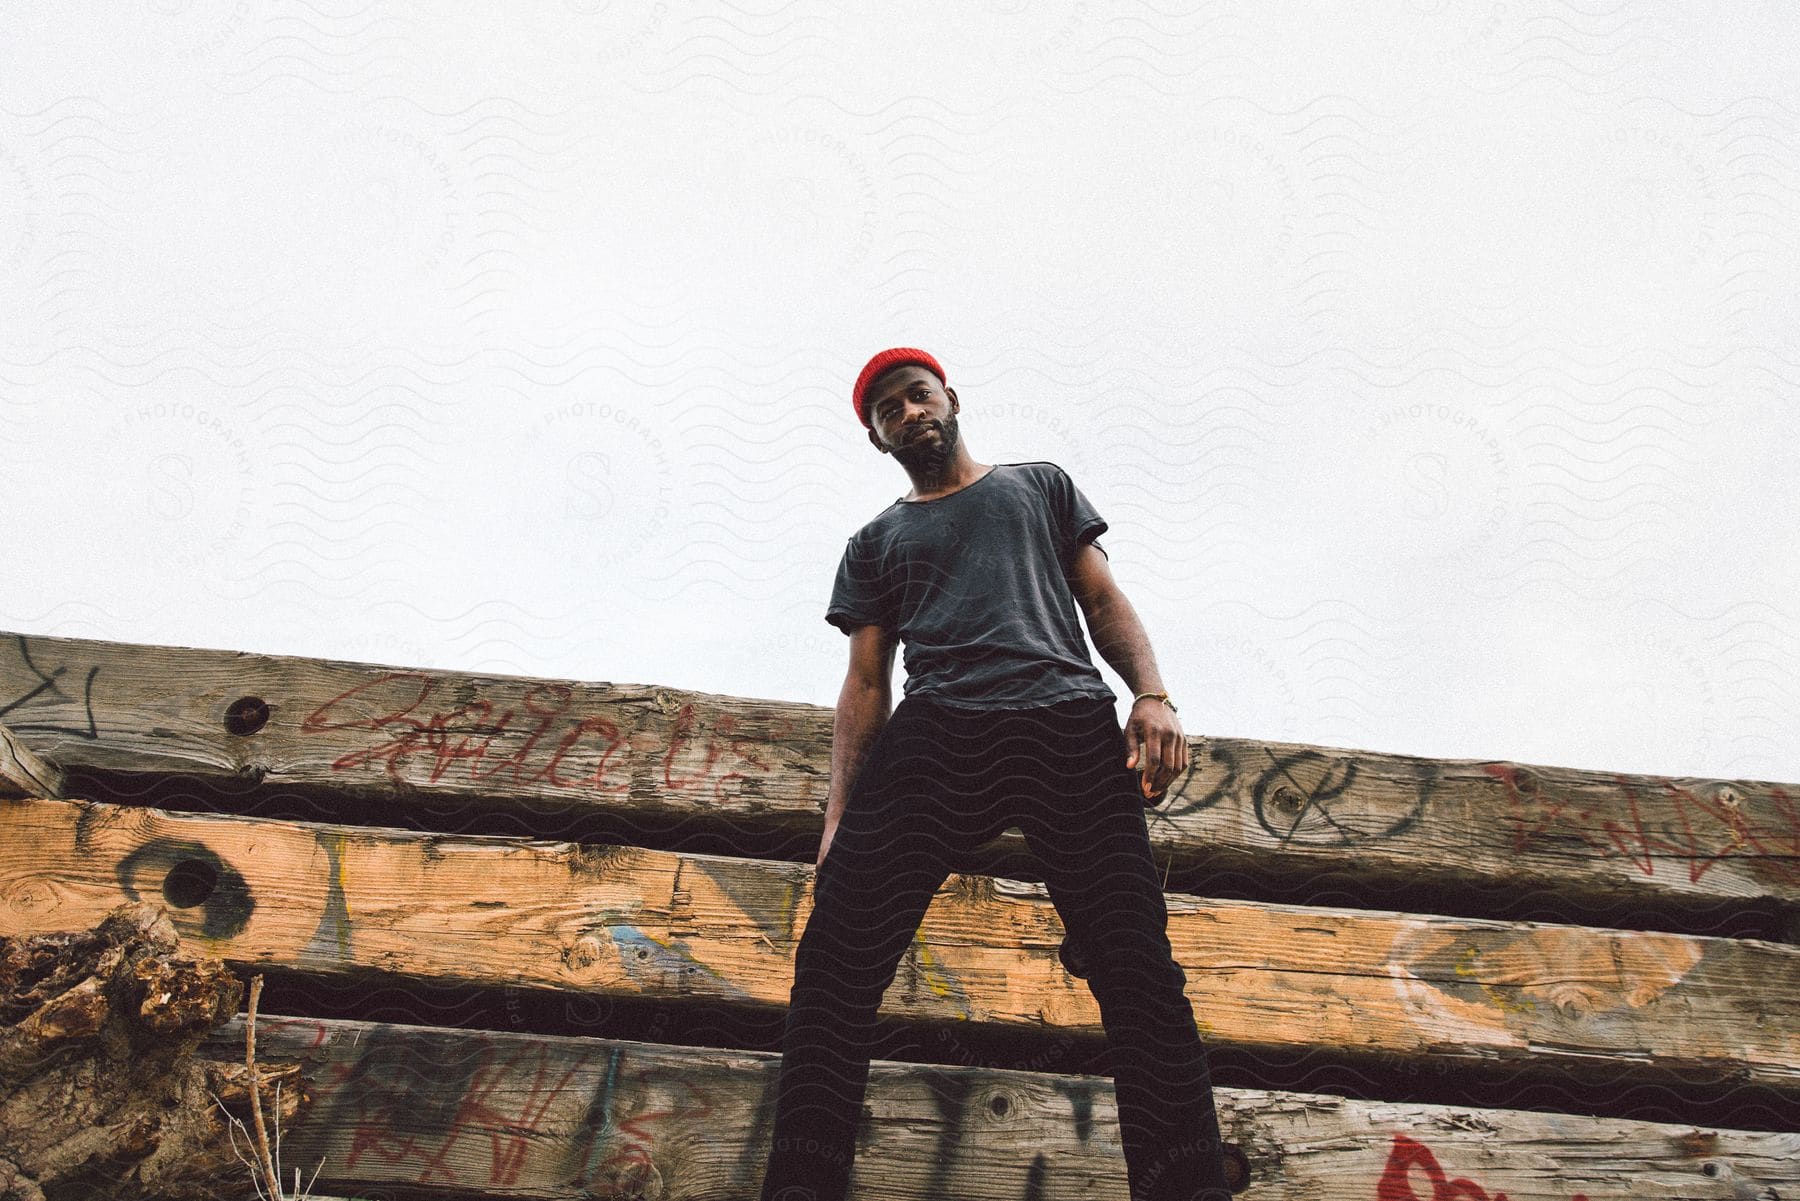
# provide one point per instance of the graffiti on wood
(1310, 798)
(403, 1105)
(417, 1112)
(58, 686)
(547, 739)
(629, 1143)
(1398, 1179)
(1305, 798)
(188, 874)
(1698, 834)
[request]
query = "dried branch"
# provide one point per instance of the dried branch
(262, 1133)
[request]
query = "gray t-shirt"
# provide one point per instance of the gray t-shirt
(976, 583)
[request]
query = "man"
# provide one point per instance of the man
(1005, 722)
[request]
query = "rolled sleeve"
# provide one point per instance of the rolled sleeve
(1077, 518)
(856, 592)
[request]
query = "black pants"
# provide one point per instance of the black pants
(938, 780)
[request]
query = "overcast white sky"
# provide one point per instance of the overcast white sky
(1433, 361)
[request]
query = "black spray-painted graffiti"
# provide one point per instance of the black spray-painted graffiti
(1304, 798)
(43, 689)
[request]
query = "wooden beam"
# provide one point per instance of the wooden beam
(406, 739)
(23, 772)
(1549, 1002)
(464, 1113)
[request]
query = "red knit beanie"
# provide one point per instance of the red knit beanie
(887, 360)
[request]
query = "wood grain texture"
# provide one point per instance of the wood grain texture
(520, 1115)
(23, 772)
(1560, 1002)
(406, 739)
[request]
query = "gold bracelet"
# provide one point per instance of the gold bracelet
(1161, 696)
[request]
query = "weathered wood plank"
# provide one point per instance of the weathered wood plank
(1560, 1002)
(530, 1116)
(23, 772)
(407, 738)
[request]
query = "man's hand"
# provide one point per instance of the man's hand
(1158, 747)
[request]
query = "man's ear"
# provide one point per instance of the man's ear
(875, 441)
(955, 405)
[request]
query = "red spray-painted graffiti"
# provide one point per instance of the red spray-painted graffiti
(1701, 832)
(478, 1114)
(633, 1161)
(1407, 1154)
(425, 743)
(382, 1099)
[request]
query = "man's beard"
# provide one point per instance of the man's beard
(929, 456)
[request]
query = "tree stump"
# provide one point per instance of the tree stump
(100, 1091)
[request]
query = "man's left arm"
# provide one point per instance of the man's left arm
(1158, 747)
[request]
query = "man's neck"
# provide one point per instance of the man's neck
(958, 474)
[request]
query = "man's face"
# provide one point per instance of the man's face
(913, 417)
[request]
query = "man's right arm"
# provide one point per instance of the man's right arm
(863, 708)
